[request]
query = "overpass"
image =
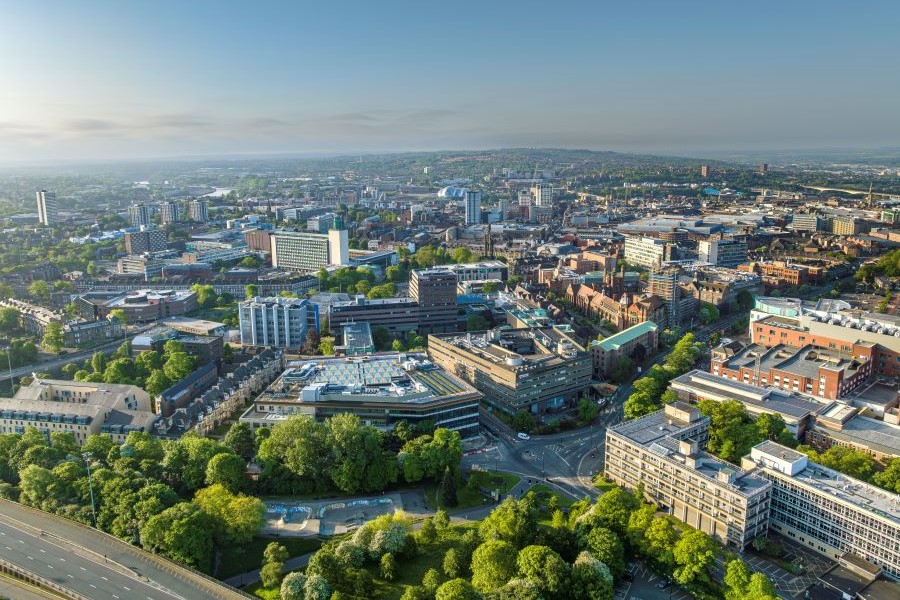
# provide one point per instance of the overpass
(80, 562)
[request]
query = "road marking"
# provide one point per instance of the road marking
(126, 588)
(70, 575)
(8, 548)
(104, 578)
(62, 560)
(30, 558)
(114, 596)
(92, 585)
(82, 568)
(44, 551)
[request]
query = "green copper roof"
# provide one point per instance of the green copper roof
(614, 342)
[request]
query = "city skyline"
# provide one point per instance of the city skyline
(101, 81)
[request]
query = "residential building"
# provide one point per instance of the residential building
(143, 306)
(434, 290)
(829, 324)
(277, 322)
(147, 238)
(183, 392)
(81, 408)
(473, 207)
(537, 370)
(827, 511)
(198, 211)
(722, 252)
(139, 214)
(648, 252)
(846, 225)
(381, 390)
(47, 209)
(77, 332)
(638, 343)
(797, 410)
(663, 452)
(169, 212)
(724, 288)
(779, 273)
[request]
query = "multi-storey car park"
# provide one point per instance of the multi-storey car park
(535, 369)
(663, 451)
(381, 390)
(827, 511)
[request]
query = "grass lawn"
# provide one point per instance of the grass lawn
(544, 492)
(265, 593)
(239, 559)
(469, 495)
(603, 484)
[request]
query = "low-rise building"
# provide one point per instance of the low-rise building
(81, 408)
(842, 425)
(77, 332)
(663, 452)
(144, 306)
(638, 342)
(826, 511)
(536, 369)
(381, 390)
(356, 340)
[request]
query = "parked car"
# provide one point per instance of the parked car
(664, 583)
(523, 436)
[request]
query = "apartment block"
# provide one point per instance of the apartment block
(664, 452)
(277, 322)
(48, 212)
(146, 239)
(827, 511)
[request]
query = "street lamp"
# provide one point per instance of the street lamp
(87, 461)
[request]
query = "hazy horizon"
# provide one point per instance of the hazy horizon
(99, 80)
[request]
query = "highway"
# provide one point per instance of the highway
(94, 565)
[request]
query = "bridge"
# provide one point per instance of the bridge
(81, 563)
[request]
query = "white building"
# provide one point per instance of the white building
(543, 194)
(48, 212)
(647, 252)
(276, 321)
(722, 253)
(473, 207)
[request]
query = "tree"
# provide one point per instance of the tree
(228, 470)
(119, 315)
(761, 588)
(54, 338)
(156, 383)
(251, 291)
(607, 547)
(183, 533)
(545, 566)
(91, 269)
(206, 295)
(302, 446)
(9, 320)
(388, 567)
(889, 479)
(591, 579)
(622, 370)
(477, 323)
(490, 287)
(427, 532)
(709, 314)
(292, 586)
(447, 489)
(523, 421)
(178, 365)
(238, 517)
(241, 440)
(442, 520)
(587, 409)
(493, 564)
(694, 553)
(660, 537)
(270, 574)
(457, 589)
(41, 290)
(385, 290)
(452, 565)
(737, 579)
(512, 520)
(98, 362)
(326, 346)
(316, 588)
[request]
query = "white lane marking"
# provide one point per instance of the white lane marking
(82, 568)
(30, 558)
(114, 596)
(92, 585)
(104, 578)
(126, 588)
(44, 551)
(8, 548)
(70, 575)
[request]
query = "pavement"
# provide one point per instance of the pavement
(94, 564)
(645, 586)
(13, 588)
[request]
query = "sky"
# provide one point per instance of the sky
(100, 79)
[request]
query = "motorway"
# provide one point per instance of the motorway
(95, 565)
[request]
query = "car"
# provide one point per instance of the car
(523, 436)
(664, 583)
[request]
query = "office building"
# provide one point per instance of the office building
(169, 212)
(722, 253)
(309, 251)
(277, 322)
(473, 207)
(195, 326)
(829, 324)
(724, 288)
(381, 390)
(840, 424)
(663, 452)
(806, 222)
(148, 238)
(356, 340)
(434, 290)
(320, 223)
(648, 252)
(148, 265)
(198, 211)
(397, 315)
(797, 410)
(637, 343)
(144, 306)
(47, 209)
(827, 511)
(81, 408)
(846, 225)
(543, 194)
(517, 369)
(480, 271)
(139, 214)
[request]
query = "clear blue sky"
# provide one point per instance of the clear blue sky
(108, 79)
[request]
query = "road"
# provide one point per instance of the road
(93, 564)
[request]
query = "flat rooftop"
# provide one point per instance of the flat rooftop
(871, 433)
(518, 348)
(711, 386)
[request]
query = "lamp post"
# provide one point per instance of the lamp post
(87, 461)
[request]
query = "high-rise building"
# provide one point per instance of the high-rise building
(828, 511)
(147, 239)
(279, 322)
(473, 207)
(503, 207)
(435, 292)
(139, 214)
(524, 198)
(198, 211)
(543, 194)
(310, 251)
(763, 168)
(648, 252)
(704, 170)
(663, 452)
(47, 209)
(169, 212)
(846, 226)
(723, 253)
(809, 222)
